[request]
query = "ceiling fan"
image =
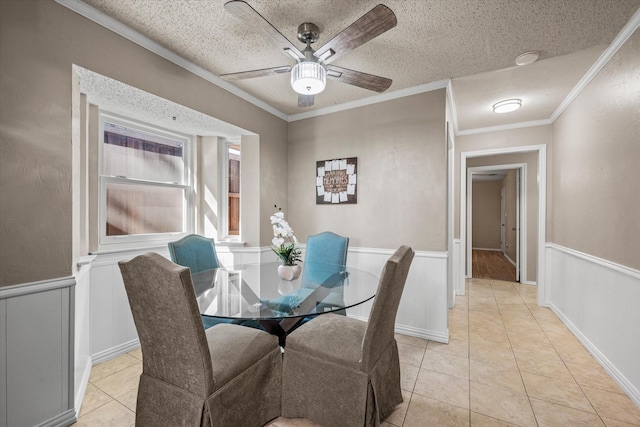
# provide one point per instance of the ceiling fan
(309, 74)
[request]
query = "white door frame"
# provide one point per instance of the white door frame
(521, 215)
(542, 209)
(521, 224)
(451, 286)
(502, 221)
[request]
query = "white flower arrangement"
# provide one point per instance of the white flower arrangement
(284, 241)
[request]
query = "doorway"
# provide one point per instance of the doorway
(497, 220)
(540, 181)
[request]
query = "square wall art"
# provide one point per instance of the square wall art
(336, 181)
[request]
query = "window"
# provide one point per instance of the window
(145, 187)
(234, 190)
(230, 188)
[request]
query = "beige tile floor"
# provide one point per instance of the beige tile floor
(508, 363)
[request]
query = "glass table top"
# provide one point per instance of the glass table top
(256, 291)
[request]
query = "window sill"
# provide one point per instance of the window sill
(231, 243)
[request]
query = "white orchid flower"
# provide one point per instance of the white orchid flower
(284, 241)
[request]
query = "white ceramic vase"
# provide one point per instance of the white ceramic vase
(289, 272)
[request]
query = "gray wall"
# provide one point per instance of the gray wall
(595, 176)
(401, 150)
(40, 42)
(486, 215)
(531, 160)
(537, 135)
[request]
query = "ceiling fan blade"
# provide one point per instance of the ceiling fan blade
(358, 78)
(370, 25)
(255, 21)
(305, 100)
(256, 73)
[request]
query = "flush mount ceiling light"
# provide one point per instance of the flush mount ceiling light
(308, 78)
(527, 58)
(507, 106)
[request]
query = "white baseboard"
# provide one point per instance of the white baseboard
(119, 350)
(529, 283)
(631, 390)
(486, 249)
(597, 300)
(424, 334)
(509, 259)
(414, 332)
(63, 419)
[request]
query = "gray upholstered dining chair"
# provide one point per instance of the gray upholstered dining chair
(339, 371)
(228, 375)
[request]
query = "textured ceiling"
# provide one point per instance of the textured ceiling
(127, 101)
(434, 40)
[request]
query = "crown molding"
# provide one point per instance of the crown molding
(119, 28)
(428, 87)
(603, 60)
(508, 126)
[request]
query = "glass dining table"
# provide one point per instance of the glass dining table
(255, 292)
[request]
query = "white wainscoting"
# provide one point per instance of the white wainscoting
(111, 330)
(36, 353)
(598, 301)
(82, 328)
(422, 312)
(458, 270)
(423, 308)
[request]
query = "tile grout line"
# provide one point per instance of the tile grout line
(469, 346)
(535, 418)
(564, 363)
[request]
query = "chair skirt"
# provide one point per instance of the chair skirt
(332, 393)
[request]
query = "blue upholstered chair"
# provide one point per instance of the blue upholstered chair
(196, 252)
(199, 254)
(324, 249)
(325, 255)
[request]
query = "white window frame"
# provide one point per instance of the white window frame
(108, 243)
(223, 221)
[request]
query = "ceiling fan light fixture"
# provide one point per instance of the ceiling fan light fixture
(308, 78)
(507, 106)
